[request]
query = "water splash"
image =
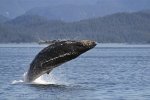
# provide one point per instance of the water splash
(20, 81)
(17, 81)
(45, 79)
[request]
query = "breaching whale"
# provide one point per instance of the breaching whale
(57, 53)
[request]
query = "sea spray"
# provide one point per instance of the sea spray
(44, 79)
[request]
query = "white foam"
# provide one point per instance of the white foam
(43, 80)
(17, 81)
(20, 81)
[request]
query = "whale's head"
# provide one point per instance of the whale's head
(84, 45)
(56, 54)
(79, 47)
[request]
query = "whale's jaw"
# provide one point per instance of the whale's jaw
(56, 54)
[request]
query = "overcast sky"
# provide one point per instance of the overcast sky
(13, 8)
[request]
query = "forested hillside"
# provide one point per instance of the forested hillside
(115, 28)
(3, 19)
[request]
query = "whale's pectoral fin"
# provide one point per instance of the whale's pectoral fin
(48, 72)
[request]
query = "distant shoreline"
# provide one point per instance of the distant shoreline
(34, 44)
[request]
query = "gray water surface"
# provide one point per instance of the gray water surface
(103, 73)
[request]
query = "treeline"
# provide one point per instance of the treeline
(115, 28)
(3, 19)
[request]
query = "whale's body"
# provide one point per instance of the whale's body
(56, 54)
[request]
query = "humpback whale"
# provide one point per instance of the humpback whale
(55, 54)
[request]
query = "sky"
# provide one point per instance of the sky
(14, 8)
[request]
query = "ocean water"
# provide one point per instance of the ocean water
(107, 72)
